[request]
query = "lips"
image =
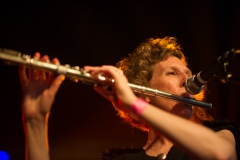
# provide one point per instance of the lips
(186, 95)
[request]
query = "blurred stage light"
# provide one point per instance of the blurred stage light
(4, 155)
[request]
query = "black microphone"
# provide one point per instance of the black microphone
(195, 84)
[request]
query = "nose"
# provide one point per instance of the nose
(183, 84)
(183, 79)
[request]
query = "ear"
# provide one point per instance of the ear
(147, 99)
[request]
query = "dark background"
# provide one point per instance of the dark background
(83, 124)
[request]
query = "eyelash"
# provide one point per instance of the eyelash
(171, 73)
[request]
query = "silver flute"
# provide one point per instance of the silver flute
(76, 73)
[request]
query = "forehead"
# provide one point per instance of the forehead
(172, 63)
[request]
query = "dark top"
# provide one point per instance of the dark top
(174, 153)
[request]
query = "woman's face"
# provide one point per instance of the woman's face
(169, 76)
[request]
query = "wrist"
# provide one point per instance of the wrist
(138, 106)
(35, 121)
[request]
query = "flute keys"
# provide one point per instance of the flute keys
(73, 78)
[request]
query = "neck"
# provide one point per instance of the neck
(152, 136)
(157, 144)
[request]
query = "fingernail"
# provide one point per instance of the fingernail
(57, 63)
(61, 79)
(36, 56)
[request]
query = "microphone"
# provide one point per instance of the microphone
(195, 84)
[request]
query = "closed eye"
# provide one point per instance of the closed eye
(173, 73)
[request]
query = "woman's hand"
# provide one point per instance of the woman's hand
(122, 95)
(39, 90)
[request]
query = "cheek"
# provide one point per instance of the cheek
(167, 85)
(163, 103)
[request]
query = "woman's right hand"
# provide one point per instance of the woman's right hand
(122, 95)
(39, 90)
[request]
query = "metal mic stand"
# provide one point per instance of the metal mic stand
(226, 76)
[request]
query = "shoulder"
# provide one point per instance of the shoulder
(113, 153)
(223, 125)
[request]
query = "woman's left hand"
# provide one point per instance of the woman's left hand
(39, 90)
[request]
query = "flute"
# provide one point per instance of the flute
(78, 74)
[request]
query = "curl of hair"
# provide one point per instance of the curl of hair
(138, 68)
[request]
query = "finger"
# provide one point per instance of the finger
(32, 73)
(55, 61)
(115, 72)
(56, 84)
(23, 75)
(37, 56)
(42, 74)
(105, 70)
(98, 68)
(111, 72)
(91, 69)
(51, 74)
(105, 93)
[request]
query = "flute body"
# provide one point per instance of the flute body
(78, 74)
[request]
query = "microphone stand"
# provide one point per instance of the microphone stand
(226, 76)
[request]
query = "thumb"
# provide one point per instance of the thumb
(56, 84)
(109, 95)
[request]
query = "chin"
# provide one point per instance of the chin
(183, 110)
